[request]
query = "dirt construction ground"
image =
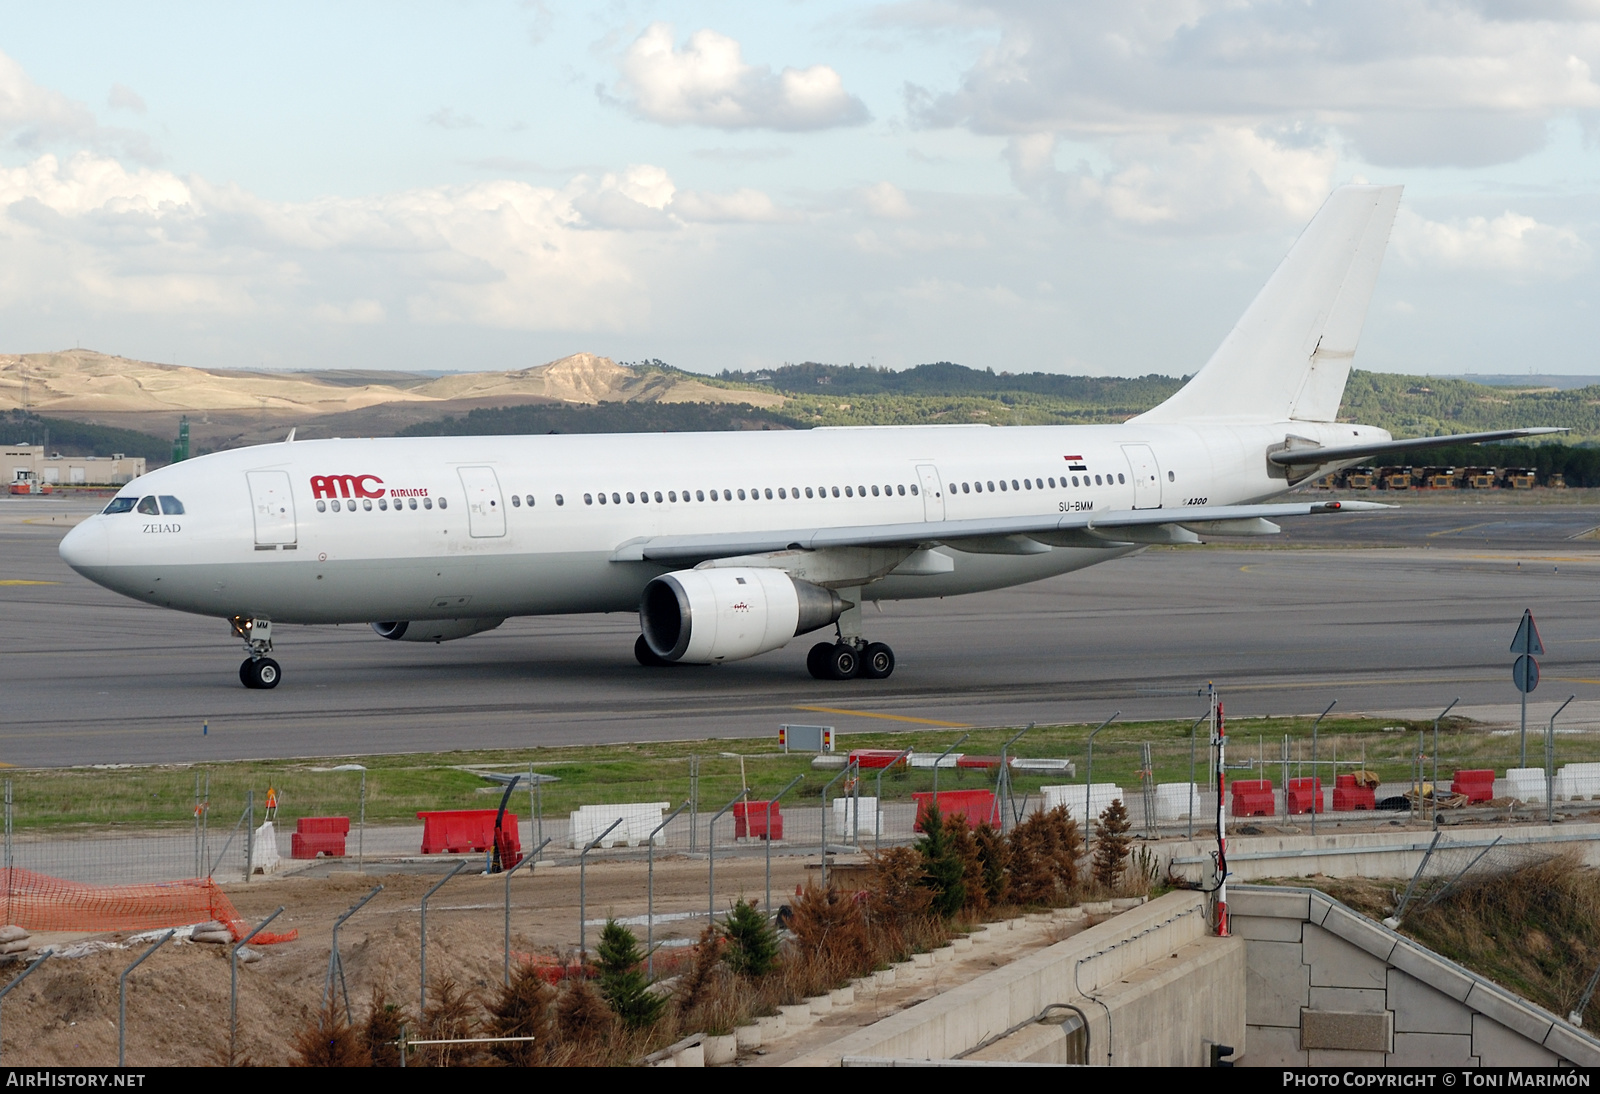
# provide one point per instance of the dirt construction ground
(66, 1012)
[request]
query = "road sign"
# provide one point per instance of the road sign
(1525, 674)
(1527, 639)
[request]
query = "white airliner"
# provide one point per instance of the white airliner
(732, 544)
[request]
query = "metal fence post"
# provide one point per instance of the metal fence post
(770, 803)
(233, 985)
(877, 821)
(938, 762)
(525, 860)
(1005, 774)
(1088, 779)
(27, 972)
(847, 767)
(361, 828)
(422, 953)
(1316, 787)
(1550, 764)
(711, 854)
(1436, 722)
(249, 834)
(583, 889)
(694, 799)
(1192, 731)
(650, 893)
(336, 962)
(11, 874)
(122, 999)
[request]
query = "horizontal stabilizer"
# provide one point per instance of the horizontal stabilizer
(1301, 457)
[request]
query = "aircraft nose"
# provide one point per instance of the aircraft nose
(87, 546)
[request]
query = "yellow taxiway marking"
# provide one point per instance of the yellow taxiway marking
(886, 717)
(19, 581)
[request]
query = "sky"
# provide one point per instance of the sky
(1055, 186)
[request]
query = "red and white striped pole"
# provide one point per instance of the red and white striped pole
(1220, 739)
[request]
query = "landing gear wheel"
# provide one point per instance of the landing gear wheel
(263, 673)
(877, 662)
(817, 661)
(648, 657)
(843, 661)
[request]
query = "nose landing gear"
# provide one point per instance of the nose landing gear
(258, 670)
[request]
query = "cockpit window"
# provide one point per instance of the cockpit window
(172, 507)
(120, 505)
(148, 506)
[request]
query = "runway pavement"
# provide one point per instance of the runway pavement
(88, 677)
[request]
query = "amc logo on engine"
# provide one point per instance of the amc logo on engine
(346, 486)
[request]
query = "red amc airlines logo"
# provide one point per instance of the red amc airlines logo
(346, 486)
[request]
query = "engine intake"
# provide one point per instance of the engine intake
(434, 630)
(703, 617)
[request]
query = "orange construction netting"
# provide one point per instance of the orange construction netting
(39, 902)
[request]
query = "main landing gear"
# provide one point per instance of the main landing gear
(843, 661)
(851, 656)
(258, 670)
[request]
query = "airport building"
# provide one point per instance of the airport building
(58, 470)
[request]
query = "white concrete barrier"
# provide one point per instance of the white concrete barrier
(1173, 800)
(868, 822)
(1070, 795)
(1526, 783)
(639, 819)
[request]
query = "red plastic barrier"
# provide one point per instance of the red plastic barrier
(312, 844)
(339, 825)
(975, 761)
(750, 821)
(1252, 798)
(1305, 795)
(1348, 797)
(1478, 786)
(457, 831)
(871, 758)
(978, 806)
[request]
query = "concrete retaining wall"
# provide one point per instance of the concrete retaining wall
(1327, 986)
(1152, 983)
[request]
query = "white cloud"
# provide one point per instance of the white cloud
(886, 201)
(744, 205)
(30, 114)
(447, 117)
(358, 312)
(123, 97)
(708, 82)
(1511, 244)
(1183, 95)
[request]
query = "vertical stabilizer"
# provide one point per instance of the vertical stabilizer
(1289, 355)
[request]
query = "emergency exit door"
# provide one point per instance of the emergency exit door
(273, 505)
(486, 510)
(1146, 476)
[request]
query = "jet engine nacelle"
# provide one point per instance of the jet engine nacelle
(701, 617)
(434, 630)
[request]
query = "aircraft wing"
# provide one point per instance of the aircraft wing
(688, 550)
(1315, 454)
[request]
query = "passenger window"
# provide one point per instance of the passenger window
(588, 499)
(861, 491)
(616, 498)
(874, 489)
(1052, 482)
(322, 506)
(672, 495)
(847, 492)
(602, 499)
(411, 503)
(1074, 480)
(1171, 477)
(120, 505)
(782, 494)
(913, 489)
(699, 495)
(727, 495)
(1097, 481)
(516, 502)
(630, 497)
(171, 506)
(808, 491)
(741, 494)
(383, 503)
(366, 503)
(335, 505)
(560, 500)
(148, 506)
(1120, 479)
(1003, 483)
(1040, 483)
(530, 501)
(444, 503)
(835, 491)
(902, 489)
(427, 503)
(658, 497)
